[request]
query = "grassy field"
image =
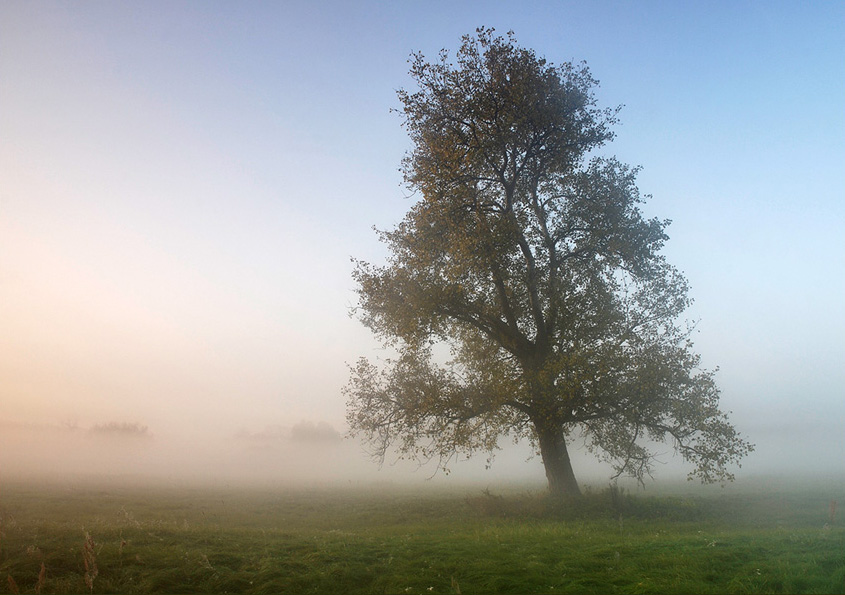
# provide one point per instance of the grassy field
(81, 537)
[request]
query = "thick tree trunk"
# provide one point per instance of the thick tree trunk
(556, 461)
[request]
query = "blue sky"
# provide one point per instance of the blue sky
(182, 185)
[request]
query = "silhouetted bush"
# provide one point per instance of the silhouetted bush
(121, 429)
(307, 431)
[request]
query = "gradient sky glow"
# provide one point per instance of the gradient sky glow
(182, 185)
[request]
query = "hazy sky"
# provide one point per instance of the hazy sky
(182, 185)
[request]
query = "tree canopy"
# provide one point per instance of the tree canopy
(529, 256)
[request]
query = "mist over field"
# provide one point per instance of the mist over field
(300, 455)
(309, 454)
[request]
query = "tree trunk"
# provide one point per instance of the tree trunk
(556, 461)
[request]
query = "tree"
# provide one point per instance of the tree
(531, 260)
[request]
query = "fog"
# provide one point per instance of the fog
(309, 454)
(305, 454)
(182, 186)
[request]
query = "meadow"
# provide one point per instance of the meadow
(112, 537)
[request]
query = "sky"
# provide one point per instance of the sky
(183, 185)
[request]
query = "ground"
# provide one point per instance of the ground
(765, 537)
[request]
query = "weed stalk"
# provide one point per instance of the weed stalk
(42, 578)
(89, 559)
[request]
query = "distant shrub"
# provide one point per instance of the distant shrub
(303, 432)
(269, 435)
(122, 429)
(307, 431)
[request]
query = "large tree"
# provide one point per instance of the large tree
(529, 257)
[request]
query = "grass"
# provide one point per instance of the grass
(188, 540)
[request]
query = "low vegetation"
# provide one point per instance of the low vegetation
(122, 429)
(117, 539)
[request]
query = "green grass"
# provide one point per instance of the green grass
(216, 540)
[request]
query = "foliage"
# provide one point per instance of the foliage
(529, 257)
